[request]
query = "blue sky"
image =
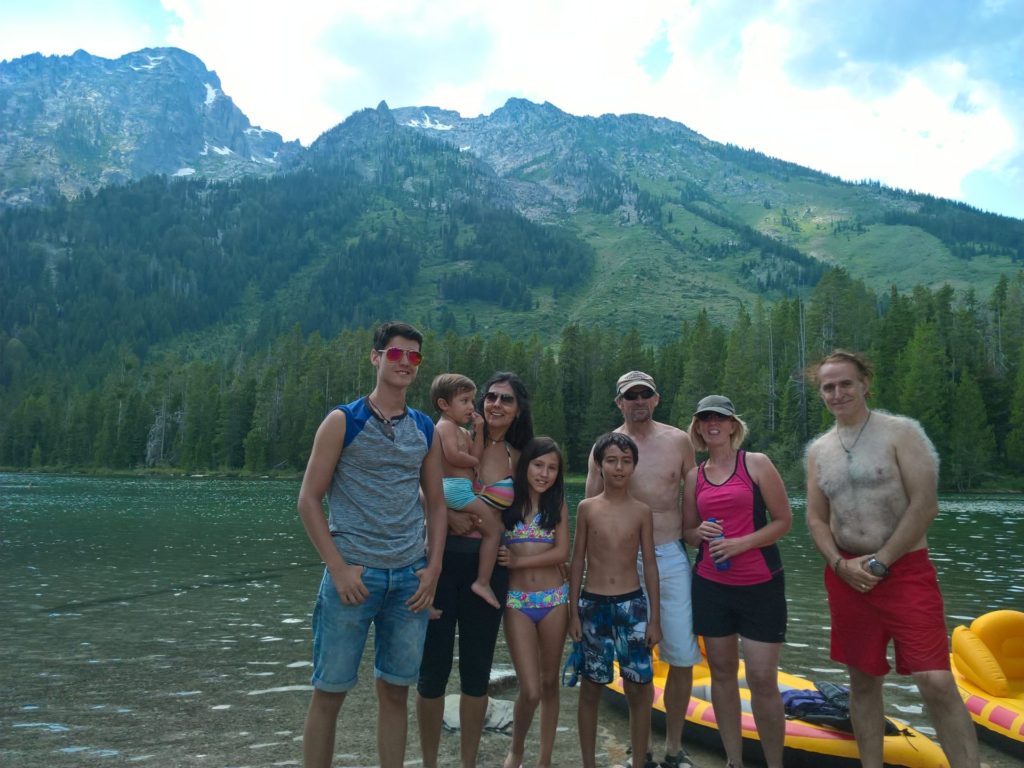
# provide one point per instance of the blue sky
(919, 94)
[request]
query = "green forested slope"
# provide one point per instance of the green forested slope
(189, 324)
(954, 361)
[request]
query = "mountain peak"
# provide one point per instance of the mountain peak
(79, 122)
(366, 121)
(525, 106)
(517, 111)
(359, 130)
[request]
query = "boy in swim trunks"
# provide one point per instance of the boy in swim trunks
(668, 456)
(611, 616)
(452, 394)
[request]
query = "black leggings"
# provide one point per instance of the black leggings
(477, 623)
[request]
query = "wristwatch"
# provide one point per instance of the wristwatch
(877, 568)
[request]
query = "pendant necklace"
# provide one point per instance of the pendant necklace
(849, 451)
(387, 426)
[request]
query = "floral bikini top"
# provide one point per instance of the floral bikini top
(527, 532)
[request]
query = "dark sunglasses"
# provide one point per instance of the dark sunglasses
(505, 397)
(394, 354)
(712, 416)
(638, 394)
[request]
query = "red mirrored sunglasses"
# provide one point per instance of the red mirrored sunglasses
(394, 354)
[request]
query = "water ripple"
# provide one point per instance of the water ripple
(50, 727)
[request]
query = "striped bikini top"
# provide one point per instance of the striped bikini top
(501, 493)
(526, 532)
(498, 495)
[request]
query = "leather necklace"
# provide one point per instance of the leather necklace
(387, 426)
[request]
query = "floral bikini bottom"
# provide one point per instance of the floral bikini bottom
(537, 605)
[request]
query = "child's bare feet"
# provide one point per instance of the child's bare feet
(512, 761)
(485, 593)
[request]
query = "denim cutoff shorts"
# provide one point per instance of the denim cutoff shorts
(339, 631)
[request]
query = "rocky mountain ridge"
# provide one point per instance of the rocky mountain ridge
(80, 122)
(551, 160)
(668, 210)
(554, 160)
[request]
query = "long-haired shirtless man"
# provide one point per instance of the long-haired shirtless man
(871, 496)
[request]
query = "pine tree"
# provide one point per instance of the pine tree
(1015, 436)
(548, 410)
(799, 413)
(575, 395)
(894, 331)
(925, 394)
(741, 377)
(840, 313)
(670, 362)
(703, 374)
(971, 443)
(1013, 317)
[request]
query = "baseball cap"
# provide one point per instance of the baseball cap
(717, 403)
(633, 379)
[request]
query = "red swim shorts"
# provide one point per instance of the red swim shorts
(905, 607)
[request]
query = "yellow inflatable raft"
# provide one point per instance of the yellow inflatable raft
(807, 744)
(988, 664)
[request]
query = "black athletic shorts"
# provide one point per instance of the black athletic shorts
(755, 611)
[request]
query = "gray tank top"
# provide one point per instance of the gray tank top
(375, 513)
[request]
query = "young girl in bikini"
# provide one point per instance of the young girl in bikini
(536, 544)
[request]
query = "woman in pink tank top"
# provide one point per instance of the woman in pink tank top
(735, 508)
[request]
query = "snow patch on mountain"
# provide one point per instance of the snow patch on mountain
(211, 94)
(154, 62)
(427, 122)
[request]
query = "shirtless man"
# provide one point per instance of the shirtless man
(666, 455)
(871, 495)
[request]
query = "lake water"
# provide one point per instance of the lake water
(166, 622)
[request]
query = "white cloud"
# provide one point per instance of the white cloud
(576, 56)
(269, 59)
(910, 138)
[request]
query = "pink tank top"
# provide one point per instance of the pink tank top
(738, 506)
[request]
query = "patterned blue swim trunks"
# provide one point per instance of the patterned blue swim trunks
(615, 627)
